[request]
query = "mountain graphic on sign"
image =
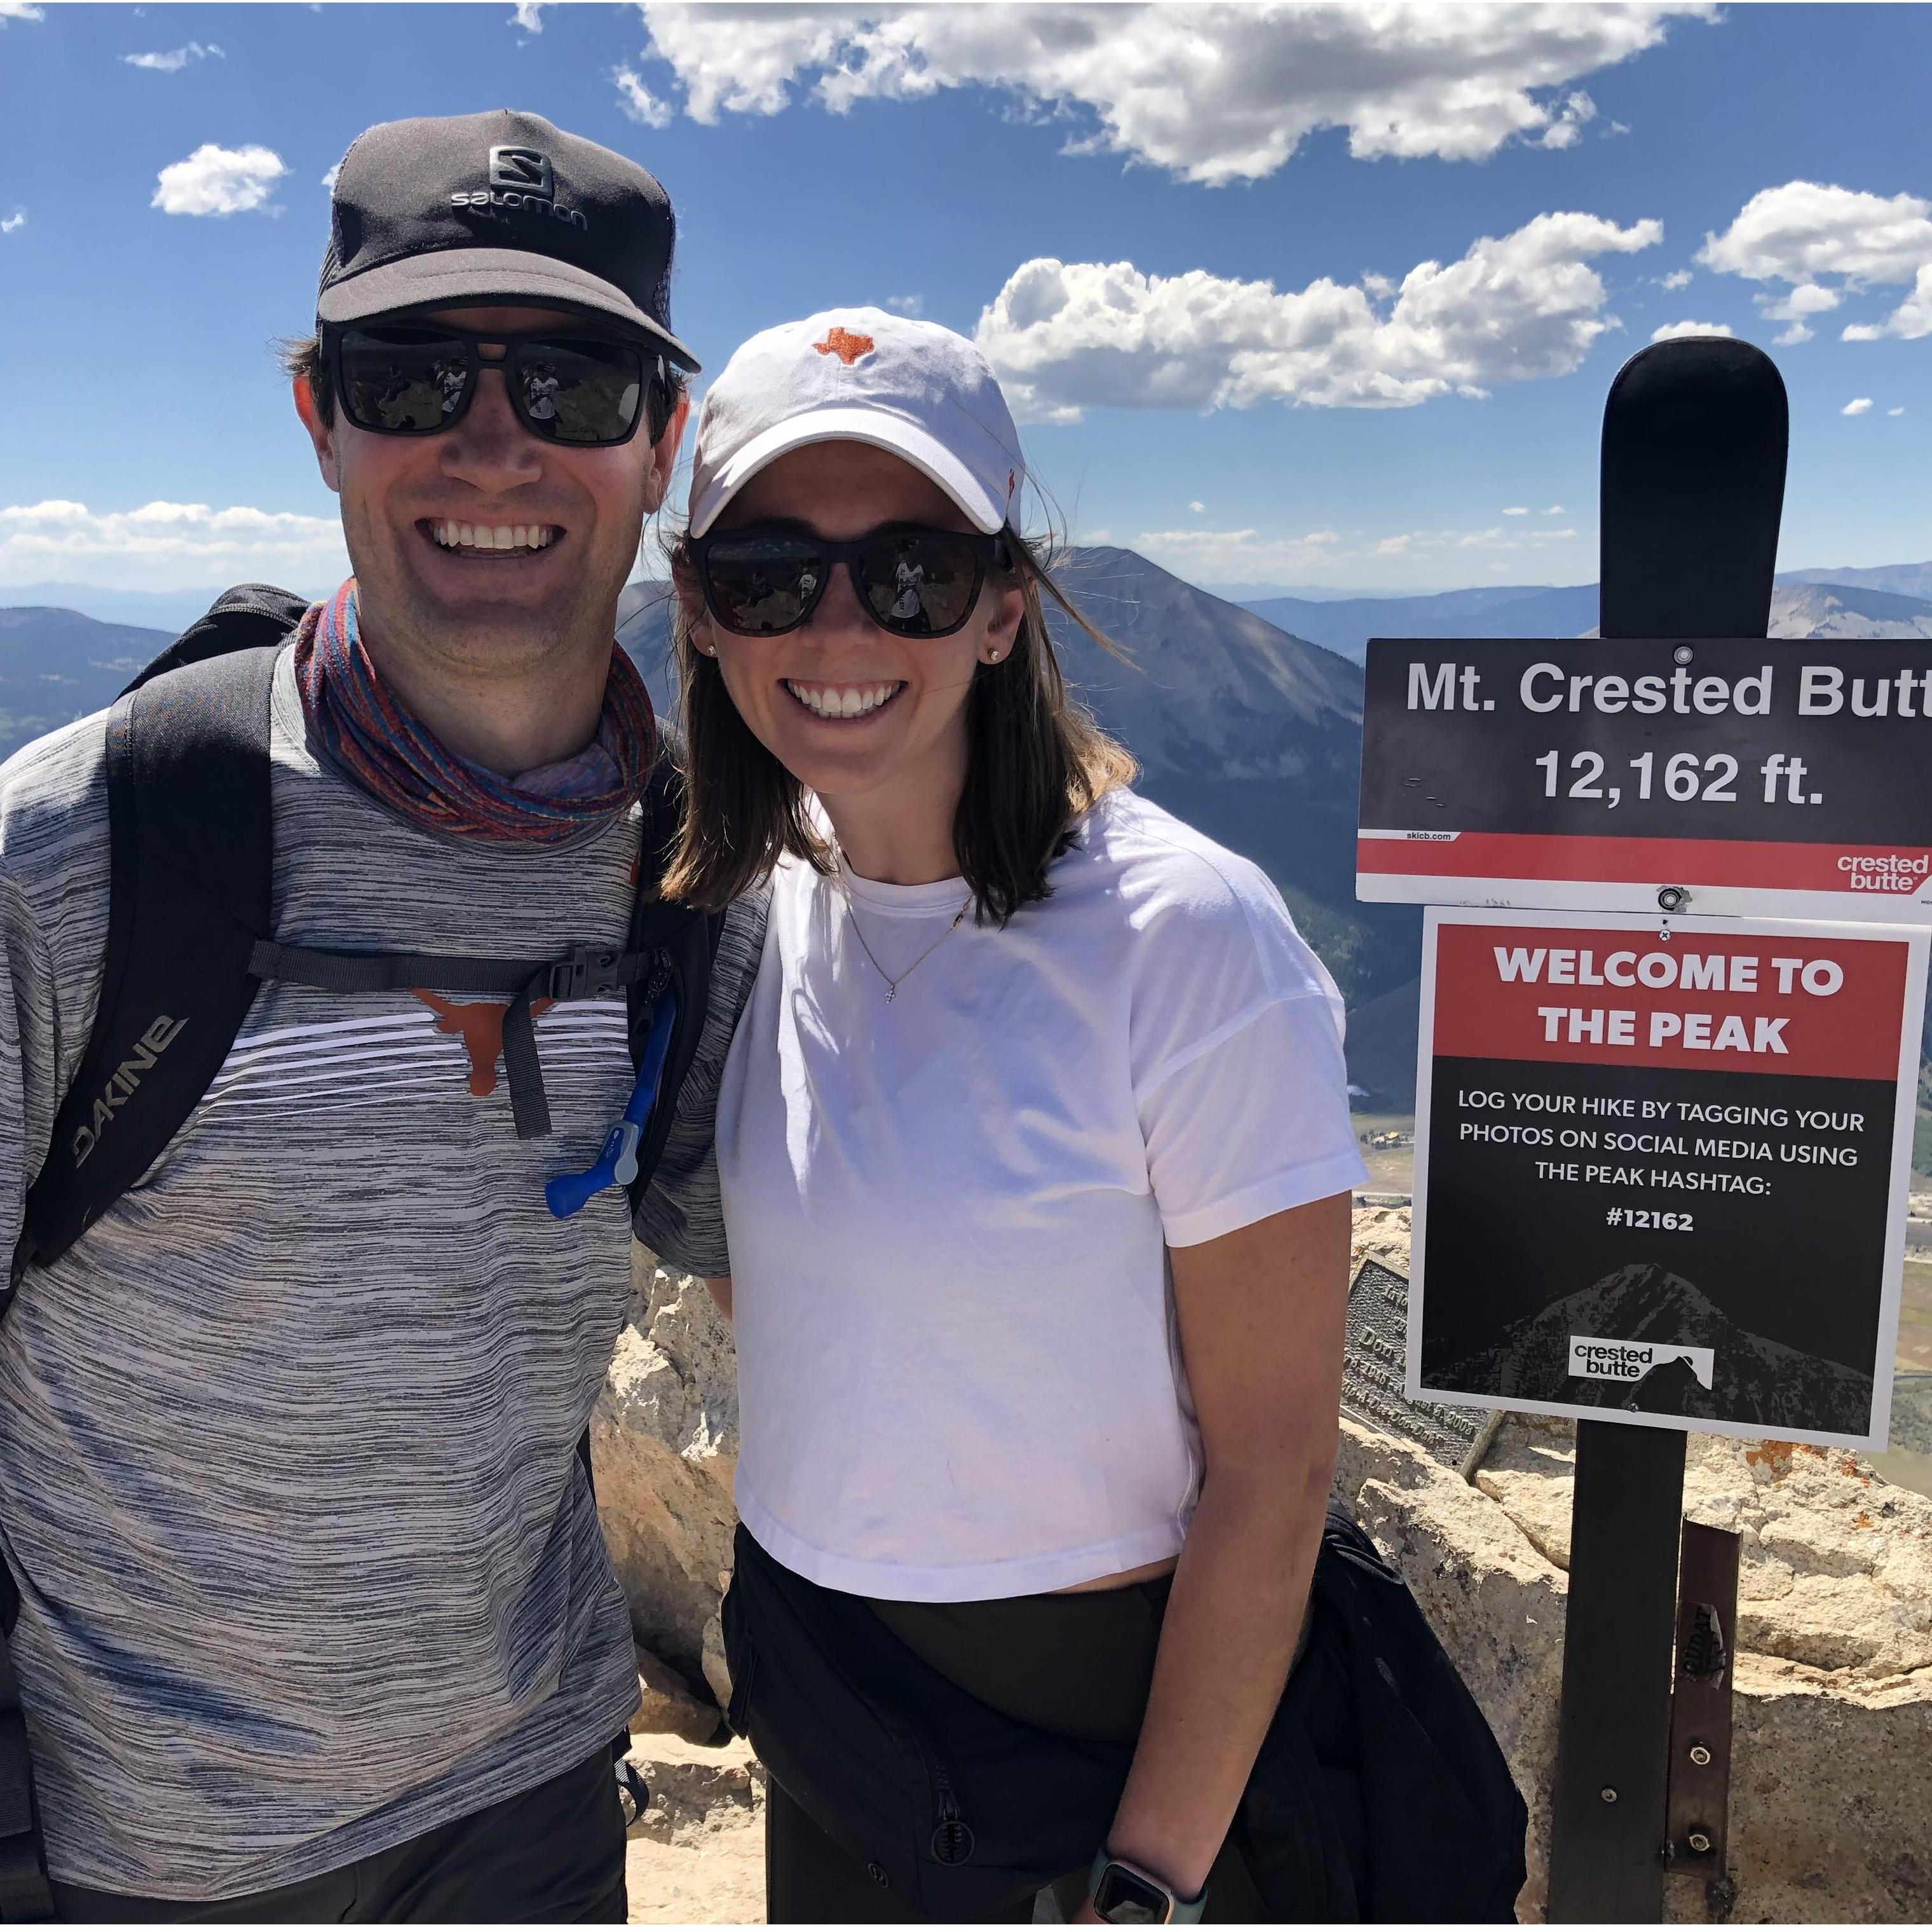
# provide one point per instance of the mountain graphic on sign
(1756, 1380)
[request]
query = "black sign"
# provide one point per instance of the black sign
(1757, 776)
(1371, 1372)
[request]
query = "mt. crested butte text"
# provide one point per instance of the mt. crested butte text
(1822, 691)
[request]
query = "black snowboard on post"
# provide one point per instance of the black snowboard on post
(1695, 435)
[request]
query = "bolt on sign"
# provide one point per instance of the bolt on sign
(1661, 1169)
(1748, 776)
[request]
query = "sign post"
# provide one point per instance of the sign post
(1734, 789)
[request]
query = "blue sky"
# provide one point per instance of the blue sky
(1195, 242)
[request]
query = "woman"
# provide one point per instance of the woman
(1033, 1140)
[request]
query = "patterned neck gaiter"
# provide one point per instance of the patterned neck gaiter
(400, 761)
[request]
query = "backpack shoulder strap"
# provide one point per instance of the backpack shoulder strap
(188, 772)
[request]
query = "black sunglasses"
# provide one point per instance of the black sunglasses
(765, 580)
(406, 380)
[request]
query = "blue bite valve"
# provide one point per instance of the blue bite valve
(616, 1163)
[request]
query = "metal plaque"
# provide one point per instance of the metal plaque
(1371, 1372)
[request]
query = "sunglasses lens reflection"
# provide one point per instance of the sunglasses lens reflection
(402, 381)
(760, 585)
(579, 391)
(919, 585)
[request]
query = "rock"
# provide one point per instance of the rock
(664, 1443)
(1832, 1784)
(698, 1856)
(717, 1672)
(1832, 1774)
(697, 1789)
(667, 1703)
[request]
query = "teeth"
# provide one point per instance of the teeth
(852, 701)
(453, 536)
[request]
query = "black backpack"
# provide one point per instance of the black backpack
(188, 944)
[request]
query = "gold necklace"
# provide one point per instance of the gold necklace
(892, 985)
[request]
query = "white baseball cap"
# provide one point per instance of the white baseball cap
(861, 375)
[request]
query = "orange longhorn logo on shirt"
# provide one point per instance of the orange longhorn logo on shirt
(478, 1023)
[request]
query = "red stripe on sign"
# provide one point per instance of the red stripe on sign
(1875, 873)
(1617, 995)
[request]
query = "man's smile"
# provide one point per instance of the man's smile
(491, 540)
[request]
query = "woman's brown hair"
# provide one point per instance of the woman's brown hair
(1036, 764)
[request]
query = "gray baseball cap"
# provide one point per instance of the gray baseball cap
(496, 207)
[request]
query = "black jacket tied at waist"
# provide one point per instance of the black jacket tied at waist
(1379, 1793)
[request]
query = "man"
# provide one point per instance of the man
(315, 1617)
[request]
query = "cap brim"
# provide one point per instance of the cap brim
(447, 276)
(849, 423)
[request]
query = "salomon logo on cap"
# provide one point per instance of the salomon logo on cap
(522, 167)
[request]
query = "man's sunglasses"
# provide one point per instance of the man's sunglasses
(765, 580)
(588, 391)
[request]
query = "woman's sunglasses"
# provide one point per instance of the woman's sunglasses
(762, 581)
(585, 391)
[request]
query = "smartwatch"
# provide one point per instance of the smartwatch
(1123, 1894)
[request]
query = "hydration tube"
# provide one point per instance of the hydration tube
(616, 1163)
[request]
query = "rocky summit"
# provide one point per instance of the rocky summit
(1831, 1780)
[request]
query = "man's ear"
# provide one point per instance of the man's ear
(321, 434)
(664, 457)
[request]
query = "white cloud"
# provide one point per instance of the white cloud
(1672, 330)
(1857, 406)
(1555, 510)
(1678, 278)
(638, 101)
(1911, 320)
(328, 180)
(1805, 229)
(1067, 336)
(528, 16)
(1214, 93)
(1576, 112)
(18, 219)
(906, 305)
(1517, 510)
(1236, 556)
(1253, 557)
(1802, 230)
(1199, 509)
(173, 62)
(163, 546)
(219, 181)
(19, 9)
(1899, 412)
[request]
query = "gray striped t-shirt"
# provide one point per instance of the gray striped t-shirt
(288, 1477)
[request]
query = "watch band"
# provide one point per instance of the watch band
(1180, 1911)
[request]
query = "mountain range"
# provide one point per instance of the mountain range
(1247, 720)
(1804, 604)
(1754, 1379)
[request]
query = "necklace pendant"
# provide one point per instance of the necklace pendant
(892, 993)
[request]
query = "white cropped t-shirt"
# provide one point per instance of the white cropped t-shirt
(948, 1212)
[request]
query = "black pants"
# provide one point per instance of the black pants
(554, 1854)
(1079, 1666)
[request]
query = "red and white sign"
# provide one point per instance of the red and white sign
(1664, 1163)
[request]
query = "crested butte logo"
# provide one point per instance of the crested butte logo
(521, 182)
(1593, 1359)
